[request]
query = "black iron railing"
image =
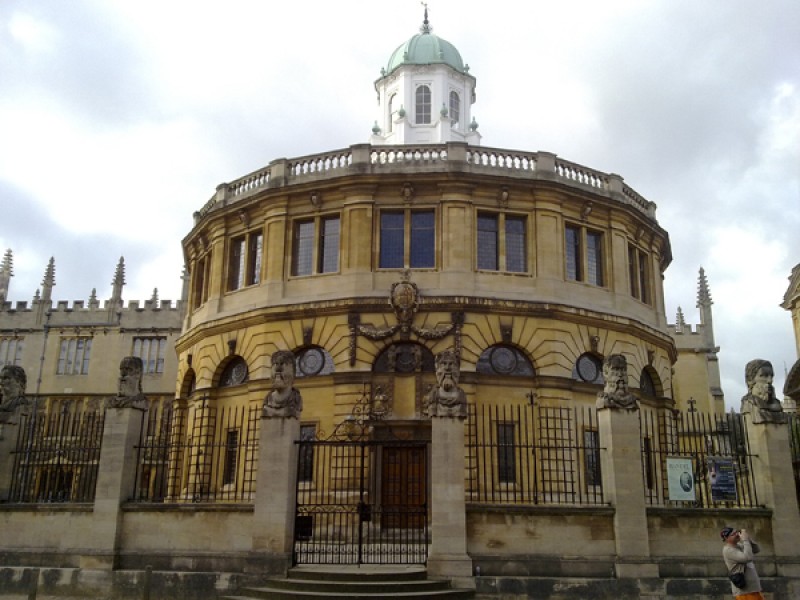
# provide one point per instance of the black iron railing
(533, 455)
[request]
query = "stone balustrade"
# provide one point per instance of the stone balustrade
(363, 158)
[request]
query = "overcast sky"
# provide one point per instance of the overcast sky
(119, 119)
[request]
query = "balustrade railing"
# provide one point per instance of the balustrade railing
(508, 160)
(338, 160)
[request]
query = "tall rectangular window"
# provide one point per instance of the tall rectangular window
(583, 255)
(407, 239)
(455, 109)
(488, 252)
(244, 260)
(10, 351)
(255, 248)
(573, 253)
(329, 246)
(231, 460)
(639, 273)
(506, 453)
(501, 244)
(152, 351)
(73, 356)
(594, 257)
(200, 281)
(315, 247)
(422, 105)
(591, 456)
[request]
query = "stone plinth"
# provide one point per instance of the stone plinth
(274, 511)
(775, 485)
(8, 439)
(448, 556)
(623, 482)
(116, 477)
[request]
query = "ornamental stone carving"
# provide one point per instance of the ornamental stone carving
(12, 391)
(616, 394)
(284, 400)
(760, 401)
(129, 391)
(447, 399)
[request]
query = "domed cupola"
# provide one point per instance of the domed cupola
(425, 93)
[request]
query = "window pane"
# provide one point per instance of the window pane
(422, 240)
(516, 256)
(256, 245)
(329, 246)
(594, 257)
(643, 277)
(303, 248)
(487, 242)
(306, 457)
(455, 108)
(236, 264)
(423, 105)
(231, 457)
(392, 247)
(591, 449)
(573, 253)
(506, 459)
(634, 280)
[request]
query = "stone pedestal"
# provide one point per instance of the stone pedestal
(9, 431)
(774, 479)
(274, 511)
(623, 482)
(448, 555)
(116, 477)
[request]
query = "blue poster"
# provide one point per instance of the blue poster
(722, 479)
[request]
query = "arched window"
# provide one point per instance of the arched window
(502, 359)
(588, 368)
(234, 373)
(189, 384)
(404, 357)
(390, 125)
(455, 109)
(313, 361)
(649, 383)
(423, 105)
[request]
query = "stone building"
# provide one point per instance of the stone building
(420, 350)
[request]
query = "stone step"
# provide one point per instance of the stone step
(370, 583)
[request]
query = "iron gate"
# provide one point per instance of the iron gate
(361, 502)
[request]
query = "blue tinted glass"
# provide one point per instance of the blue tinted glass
(423, 240)
(391, 256)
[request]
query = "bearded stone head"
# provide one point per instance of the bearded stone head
(447, 370)
(758, 375)
(282, 370)
(12, 383)
(130, 376)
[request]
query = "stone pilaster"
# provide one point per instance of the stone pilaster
(274, 511)
(9, 430)
(116, 478)
(448, 555)
(774, 479)
(623, 482)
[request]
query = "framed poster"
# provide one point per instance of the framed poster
(680, 479)
(722, 478)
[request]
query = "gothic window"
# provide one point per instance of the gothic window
(504, 360)
(73, 356)
(244, 260)
(152, 351)
(407, 239)
(588, 368)
(313, 361)
(234, 373)
(423, 105)
(455, 109)
(501, 243)
(315, 248)
(404, 357)
(638, 274)
(11, 351)
(583, 251)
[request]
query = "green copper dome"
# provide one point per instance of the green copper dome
(426, 48)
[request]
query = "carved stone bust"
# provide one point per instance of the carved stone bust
(760, 401)
(284, 400)
(446, 399)
(12, 391)
(129, 391)
(616, 394)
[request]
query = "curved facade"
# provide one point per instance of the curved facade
(530, 267)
